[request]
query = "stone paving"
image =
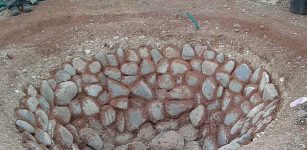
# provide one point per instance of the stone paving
(191, 98)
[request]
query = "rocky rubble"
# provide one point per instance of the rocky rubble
(190, 98)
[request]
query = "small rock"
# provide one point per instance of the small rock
(62, 114)
(167, 125)
(108, 115)
(199, 49)
(223, 78)
(66, 92)
(89, 78)
(95, 67)
(141, 89)
(113, 73)
(129, 80)
(208, 68)
(91, 138)
(47, 92)
(79, 65)
(171, 52)
(101, 57)
(208, 88)
(222, 136)
(269, 92)
(135, 118)
(236, 128)
(64, 137)
(132, 56)
(181, 92)
(144, 52)
(147, 67)
(89, 107)
(120, 103)
(61, 76)
(192, 146)
(235, 86)
(166, 81)
(220, 58)
(196, 64)
(176, 108)
(25, 115)
(155, 111)
(93, 90)
(117, 90)
(256, 75)
(156, 55)
(42, 119)
(130, 68)
(230, 146)
(197, 116)
(75, 108)
(42, 137)
(179, 66)
(31, 91)
(252, 113)
(229, 66)
(243, 72)
(265, 79)
(123, 138)
(32, 104)
(112, 60)
(25, 126)
(69, 69)
(210, 144)
(163, 66)
(231, 118)
(167, 141)
(188, 132)
(188, 52)
(209, 55)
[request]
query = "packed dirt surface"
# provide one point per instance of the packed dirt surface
(33, 44)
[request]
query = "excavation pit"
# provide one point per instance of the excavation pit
(173, 98)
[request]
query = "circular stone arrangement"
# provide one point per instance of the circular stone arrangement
(189, 98)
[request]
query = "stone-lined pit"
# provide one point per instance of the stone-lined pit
(190, 98)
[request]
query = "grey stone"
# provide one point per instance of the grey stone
(89, 107)
(235, 86)
(180, 92)
(243, 72)
(51, 128)
(245, 138)
(220, 58)
(166, 81)
(113, 73)
(43, 104)
(230, 146)
(132, 56)
(137, 146)
(167, 141)
(47, 92)
(219, 91)
(141, 89)
(269, 92)
(188, 52)
(144, 52)
(208, 67)
(252, 113)
(249, 89)
(66, 92)
(104, 98)
(227, 101)
(123, 138)
(117, 90)
(163, 65)
(197, 115)
(208, 89)
(245, 107)
(236, 128)
(75, 108)
(78, 81)
(108, 115)
(167, 125)
(28, 136)
(223, 78)
(25, 115)
(135, 118)
(42, 119)
(255, 98)
(101, 57)
(79, 65)
(32, 104)
(62, 114)
(213, 106)
(147, 67)
(120, 53)
(231, 118)
(69, 69)
(155, 111)
(102, 79)
(74, 147)
(222, 137)
(61, 76)
(192, 146)
(256, 75)
(257, 117)
(120, 122)
(152, 79)
(156, 55)
(25, 126)
(34, 145)
(120, 103)
(179, 66)
(89, 78)
(129, 80)
(209, 144)
(209, 55)
(146, 133)
(171, 52)
(42, 137)
(265, 79)
(64, 136)
(95, 67)
(112, 60)
(246, 126)
(130, 68)
(91, 138)
(31, 91)
(188, 132)
(176, 108)
(229, 66)
(196, 64)
(93, 90)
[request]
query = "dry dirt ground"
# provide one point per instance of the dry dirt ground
(33, 44)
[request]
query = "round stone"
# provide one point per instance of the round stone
(130, 68)
(25, 126)
(62, 114)
(168, 141)
(89, 107)
(243, 72)
(208, 68)
(188, 52)
(95, 67)
(66, 92)
(91, 138)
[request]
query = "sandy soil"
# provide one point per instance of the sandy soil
(33, 44)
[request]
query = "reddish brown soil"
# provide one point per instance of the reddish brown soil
(270, 36)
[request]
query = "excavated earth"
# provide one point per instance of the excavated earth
(35, 46)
